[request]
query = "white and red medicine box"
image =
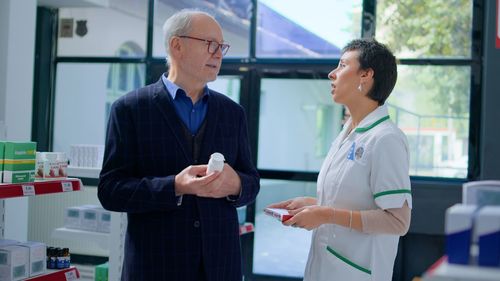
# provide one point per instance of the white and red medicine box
(280, 214)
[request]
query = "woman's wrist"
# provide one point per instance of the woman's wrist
(328, 215)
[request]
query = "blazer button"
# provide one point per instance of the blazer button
(196, 224)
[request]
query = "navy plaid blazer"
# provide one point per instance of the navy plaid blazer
(145, 149)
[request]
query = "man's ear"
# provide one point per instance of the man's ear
(175, 46)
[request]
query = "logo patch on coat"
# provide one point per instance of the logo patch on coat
(359, 153)
(350, 154)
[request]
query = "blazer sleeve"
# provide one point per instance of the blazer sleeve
(250, 181)
(119, 189)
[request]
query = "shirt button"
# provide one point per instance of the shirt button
(196, 224)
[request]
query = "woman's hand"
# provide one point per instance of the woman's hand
(295, 203)
(310, 217)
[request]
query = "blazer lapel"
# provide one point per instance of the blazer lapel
(163, 102)
(211, 126)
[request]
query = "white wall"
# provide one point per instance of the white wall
(17, 47)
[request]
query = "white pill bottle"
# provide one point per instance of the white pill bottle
(216, 162)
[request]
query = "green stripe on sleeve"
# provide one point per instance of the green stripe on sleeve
(348, 261)
(390, 192)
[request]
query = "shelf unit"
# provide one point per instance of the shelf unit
(100, 238)
(12, 190)
(83, 172)
(444, 271)
(68, 274)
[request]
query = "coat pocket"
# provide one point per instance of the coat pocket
(346, 269)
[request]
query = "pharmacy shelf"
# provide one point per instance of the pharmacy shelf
(444, 271)
(83, 172)
(10, 190)
(100, 238)
(246, 228)
(68, 274)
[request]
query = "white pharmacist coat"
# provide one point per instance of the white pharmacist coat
(364, 170)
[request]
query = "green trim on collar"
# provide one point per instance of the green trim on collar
(389, 192)
(348, 261)
(362, 130)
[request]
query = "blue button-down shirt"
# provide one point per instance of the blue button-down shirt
(191, 114)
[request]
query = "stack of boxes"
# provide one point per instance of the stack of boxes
(88, 217)
(19, 261)
(18, 161)
(86, 155)
(475, 224)
(51, 165)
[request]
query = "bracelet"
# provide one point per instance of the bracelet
(350, 219)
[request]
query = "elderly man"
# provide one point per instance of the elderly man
(182, 221)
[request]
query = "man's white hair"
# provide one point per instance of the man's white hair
(179, 24)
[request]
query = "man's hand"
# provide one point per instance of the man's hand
(227, 183)
(193, 179)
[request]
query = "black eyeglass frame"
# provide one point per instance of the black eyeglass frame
(210, 44)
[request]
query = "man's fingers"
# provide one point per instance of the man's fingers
(198, 170)
(207, 179)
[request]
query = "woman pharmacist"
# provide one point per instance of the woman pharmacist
(364, 195)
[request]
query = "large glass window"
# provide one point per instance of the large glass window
(83, 101)
(431, 105)
(286, 29)
(227, 85)
(233, 16)
(100, 31)
(298, 121)
(280, 250)
(416, 29)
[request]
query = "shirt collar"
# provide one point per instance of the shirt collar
(379, 115)
(172, 88)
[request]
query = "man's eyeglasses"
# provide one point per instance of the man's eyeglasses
(212, 45)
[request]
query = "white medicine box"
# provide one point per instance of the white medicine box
(103, 220)
(7, 242)
(89, 218)
(13, 263)
(37, 257)
(73, 216)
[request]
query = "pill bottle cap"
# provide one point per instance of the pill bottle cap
(217, 156)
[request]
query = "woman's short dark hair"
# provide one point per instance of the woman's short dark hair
(380, 59)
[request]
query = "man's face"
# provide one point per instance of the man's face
(196, 61)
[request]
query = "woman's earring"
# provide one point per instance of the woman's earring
(360, 88)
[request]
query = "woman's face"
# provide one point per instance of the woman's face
(346, 78)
